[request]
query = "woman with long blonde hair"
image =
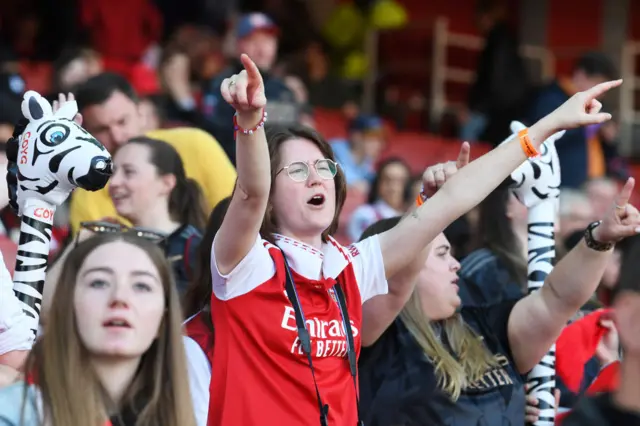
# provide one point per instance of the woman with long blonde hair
(440, 363)
(112, 351)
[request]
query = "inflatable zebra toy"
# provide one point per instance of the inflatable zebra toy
(48, 158)
(536, 183)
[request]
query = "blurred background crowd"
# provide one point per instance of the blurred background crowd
(393, 84)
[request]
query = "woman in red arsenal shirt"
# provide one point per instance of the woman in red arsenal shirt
(283, 211)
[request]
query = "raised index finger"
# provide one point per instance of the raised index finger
(601, 88)
(253, 73)
(626, 192)
(463, 157)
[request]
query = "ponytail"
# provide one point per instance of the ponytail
(186, 203)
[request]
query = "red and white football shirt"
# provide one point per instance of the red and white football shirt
(260, 375)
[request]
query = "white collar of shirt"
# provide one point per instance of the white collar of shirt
(312, 263)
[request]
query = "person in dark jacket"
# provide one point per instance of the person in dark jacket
(578, 153)
(622, 406)
(501, 88)
(257, 36)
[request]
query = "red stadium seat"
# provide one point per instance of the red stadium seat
(331, 124)
(355, 199)
(417, 149)
(634, 171)
(421, 150)
(37, 75)
(334, 124)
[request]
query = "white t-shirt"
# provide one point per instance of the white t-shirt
(199, 378)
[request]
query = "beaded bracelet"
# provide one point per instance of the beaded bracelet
(260, 124)
(526, 144)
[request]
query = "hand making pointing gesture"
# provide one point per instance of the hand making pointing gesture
(245, 91)
(622, 221)
(582, 109)
(435, 176)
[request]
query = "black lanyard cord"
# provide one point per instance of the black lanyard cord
(305, 340)
(351, 349)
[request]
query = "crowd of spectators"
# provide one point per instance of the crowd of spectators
(147, 76)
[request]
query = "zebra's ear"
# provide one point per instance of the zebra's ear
(68, 110)
(516, 126)
(35, 107)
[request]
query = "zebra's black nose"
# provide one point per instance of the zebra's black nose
(99, 173)
(104, 166)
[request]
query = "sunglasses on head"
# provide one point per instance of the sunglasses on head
(101, 227)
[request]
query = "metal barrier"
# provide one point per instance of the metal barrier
(629, 115)
(441, 72)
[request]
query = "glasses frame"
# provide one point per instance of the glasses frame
(307, 165)
(102, 227)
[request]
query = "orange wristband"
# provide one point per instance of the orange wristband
(420, 199)
(526, 144)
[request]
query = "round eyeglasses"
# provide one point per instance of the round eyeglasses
(299, 170)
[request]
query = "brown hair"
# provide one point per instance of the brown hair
(198, 295)
(495, 232)
(186, 201)
(71, 392)
(276, 136)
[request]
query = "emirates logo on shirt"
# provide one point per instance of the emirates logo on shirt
(328, 338)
